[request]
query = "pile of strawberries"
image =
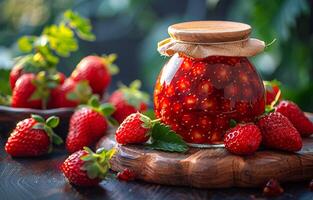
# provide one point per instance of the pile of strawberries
(34, 136)
(281, 127)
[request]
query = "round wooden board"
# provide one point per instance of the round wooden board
(214, 167)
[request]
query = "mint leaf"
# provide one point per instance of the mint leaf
(164, 139)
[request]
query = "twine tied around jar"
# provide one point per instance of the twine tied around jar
(201, 39)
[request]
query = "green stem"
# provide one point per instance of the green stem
(155, 121)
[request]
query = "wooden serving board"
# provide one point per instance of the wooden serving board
(214, 167)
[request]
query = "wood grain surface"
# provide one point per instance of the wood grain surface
(215, 167)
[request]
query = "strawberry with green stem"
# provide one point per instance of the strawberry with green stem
(86, 168)
(33, 137)
(138, 128)
(128, 100)
(33, 91)
(97, 71)
(88, 124)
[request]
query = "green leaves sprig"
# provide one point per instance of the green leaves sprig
(57, 40)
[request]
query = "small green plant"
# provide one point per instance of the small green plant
(56, 40)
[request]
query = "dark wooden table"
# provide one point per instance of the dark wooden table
(40, 179)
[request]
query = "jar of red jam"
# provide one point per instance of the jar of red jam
(209, 80)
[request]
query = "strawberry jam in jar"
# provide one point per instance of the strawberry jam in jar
(208, 80)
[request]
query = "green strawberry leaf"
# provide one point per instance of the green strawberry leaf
(112, 121)
(150, 113)
(38, 118)
(163, 138)
(107, 109)
(53, 121)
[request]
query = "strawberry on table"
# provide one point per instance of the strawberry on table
(134, 129)
(296, 116)
(70, 94)
(87, 125)
(33, 137)
(279, 133)
(97, 71)
(138, 128)
(86, 168)
(272, 188)
(272, 89)
(128, 100)
(243, 139)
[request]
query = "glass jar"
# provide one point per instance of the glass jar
(198, 97)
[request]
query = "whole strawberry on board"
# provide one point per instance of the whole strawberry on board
(128, 100)
(243, 139)
(33, 137)
(88, 124)
(97, 71)
(138, 129)
(279, 133)
(33, 91)
(70, 94)
(296, 116)
(272, 89)
(86, 168)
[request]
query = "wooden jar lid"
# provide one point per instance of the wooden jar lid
(209, 31)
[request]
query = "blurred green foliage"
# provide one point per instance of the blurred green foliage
(132, 29)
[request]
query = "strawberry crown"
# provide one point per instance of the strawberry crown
(97, 164)
(82, 92)
(44, 81)
(108, 61)
(47, 126)
(105, 109)
(133, 95)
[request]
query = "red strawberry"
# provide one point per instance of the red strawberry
(279, 133)
(126, 175)
(296, 116)
(128, 100)
(243, 139)
(97, 71)
(33, 91)
(33, 137)
(86, 168)
(70, 94)
(272, 88)
(87, 125)
(272, 188)
(23, 92)
(134, 129)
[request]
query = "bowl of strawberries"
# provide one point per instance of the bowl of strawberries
(39, 88)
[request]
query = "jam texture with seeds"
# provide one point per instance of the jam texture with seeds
(198, 97)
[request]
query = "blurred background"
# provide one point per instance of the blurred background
(132, 28)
